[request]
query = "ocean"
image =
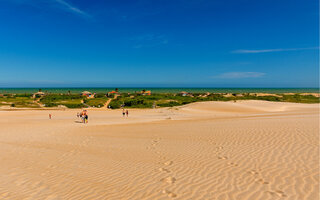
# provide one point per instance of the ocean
(162, 90)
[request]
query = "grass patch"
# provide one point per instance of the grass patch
(96, 102)
(18, 101)
(68, 100)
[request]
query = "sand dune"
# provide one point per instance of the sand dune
(247, 107)
(208, 150)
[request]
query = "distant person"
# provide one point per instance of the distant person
(86, 118)
(127, 113)
(83, 116)
(123, 113)
(78, 115)
(49, 116)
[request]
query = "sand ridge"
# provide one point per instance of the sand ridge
(208, 150)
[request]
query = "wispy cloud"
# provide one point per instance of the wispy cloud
(236, 75)
(272, 50)
(67, 6)
(58, 4)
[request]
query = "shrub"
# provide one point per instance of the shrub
(96, 102)
(60, 97)
(114, 104)
(24, 95)
(99, 95)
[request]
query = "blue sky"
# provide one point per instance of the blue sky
(159, 43)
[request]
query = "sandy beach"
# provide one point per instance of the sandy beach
(207, 150)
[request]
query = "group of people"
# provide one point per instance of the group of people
(84, 116)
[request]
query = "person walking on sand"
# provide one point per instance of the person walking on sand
(86, 118)
(49, 116)
(123, 113)
(127, 113)
(82, 115)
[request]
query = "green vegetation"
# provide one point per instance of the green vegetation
(138, 100)
(99, 95)
(159, 100)
(19, 101)
(115, 104)
(96, 102)
(68, 100)
(300, 98)
(170, 100)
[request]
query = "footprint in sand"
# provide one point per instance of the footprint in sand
(222, 157)
(161, 157)
(168, 163)
(155, 142)
(277, 193)
(164, 170)
(169, 180)
(262, 181)
(281, 193)
(52, 166)
(253, 172)
(170, 194)
(233, 164)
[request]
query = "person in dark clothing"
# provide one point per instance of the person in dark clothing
(86, 118)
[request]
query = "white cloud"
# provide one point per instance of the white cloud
(236, 75)
(71, 8)
(271, 50)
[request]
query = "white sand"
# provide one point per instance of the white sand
(210, 150)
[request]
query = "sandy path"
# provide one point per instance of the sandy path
(212, 150)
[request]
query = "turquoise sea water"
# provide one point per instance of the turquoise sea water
(163, 90)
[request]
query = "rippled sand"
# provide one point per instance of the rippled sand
(210, 150)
